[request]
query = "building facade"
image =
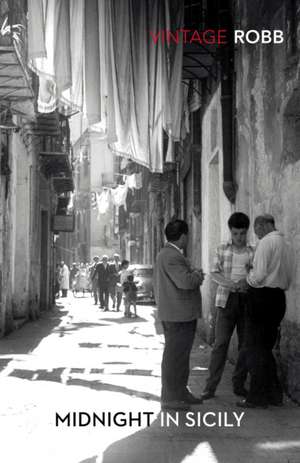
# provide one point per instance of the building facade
(35, 174)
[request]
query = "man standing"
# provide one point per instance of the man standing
(94, 279)
(115, 267)
(267, 281)
(232, 263)
(102, 274)
(64, 279)
(179, 305)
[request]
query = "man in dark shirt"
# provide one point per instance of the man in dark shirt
(102, 273)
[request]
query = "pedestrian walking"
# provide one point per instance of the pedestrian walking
(103, 277)
(123, 274)
(231, 264)
(266, 283)
(64, 279)
(82, 279)
(94, 280)
(179, 306)
(114, 267)
(130, 290)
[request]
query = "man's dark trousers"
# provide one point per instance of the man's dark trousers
(265, 310)
(229, 317)
(104, 296)
(179, 337)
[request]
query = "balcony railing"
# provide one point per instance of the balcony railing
(15, 77)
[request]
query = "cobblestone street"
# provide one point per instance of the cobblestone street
(77, 358)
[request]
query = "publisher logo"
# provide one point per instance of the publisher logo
(216, 36)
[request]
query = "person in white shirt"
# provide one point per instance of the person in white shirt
(266, 283)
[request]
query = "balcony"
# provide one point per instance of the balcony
(15, 77)
(55, 156)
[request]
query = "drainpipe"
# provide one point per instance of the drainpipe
(227, 102)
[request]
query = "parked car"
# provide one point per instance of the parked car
(143, 278)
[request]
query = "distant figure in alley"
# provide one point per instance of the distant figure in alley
(64, 279)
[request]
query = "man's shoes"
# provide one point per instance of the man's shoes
(175, 405)
(240, 391)
(191, 399)
(247, 404)
(207, 395)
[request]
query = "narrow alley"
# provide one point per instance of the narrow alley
(77, 359)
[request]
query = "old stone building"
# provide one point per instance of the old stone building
(35, 177)
(267, 154)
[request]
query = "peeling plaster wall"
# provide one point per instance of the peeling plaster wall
(216, 208)
(268, 155)
(20, 255)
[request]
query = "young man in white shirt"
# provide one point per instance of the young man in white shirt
(231, 264)
(266, 285)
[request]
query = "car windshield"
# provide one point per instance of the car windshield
(143, 272)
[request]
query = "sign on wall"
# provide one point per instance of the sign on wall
(63, 223)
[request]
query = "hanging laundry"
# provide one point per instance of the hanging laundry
(103, 201)
(54, 27)
(185, 123)
(131, 181)
(134, 181)
(195, 99)
(171, 150)
(92, 62)
(73, 96)
(71, 202)
(119, 195)
(36, 30)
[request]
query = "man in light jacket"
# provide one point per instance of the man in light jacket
(64, 279)
(179, 305)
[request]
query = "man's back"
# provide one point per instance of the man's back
(272, 266)
(176, 287)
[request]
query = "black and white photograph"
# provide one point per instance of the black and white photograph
(150, 231)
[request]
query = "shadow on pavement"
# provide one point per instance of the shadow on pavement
(173, 444)
(123, 320)
(56, 375)
(27, 338)
(101, 386)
